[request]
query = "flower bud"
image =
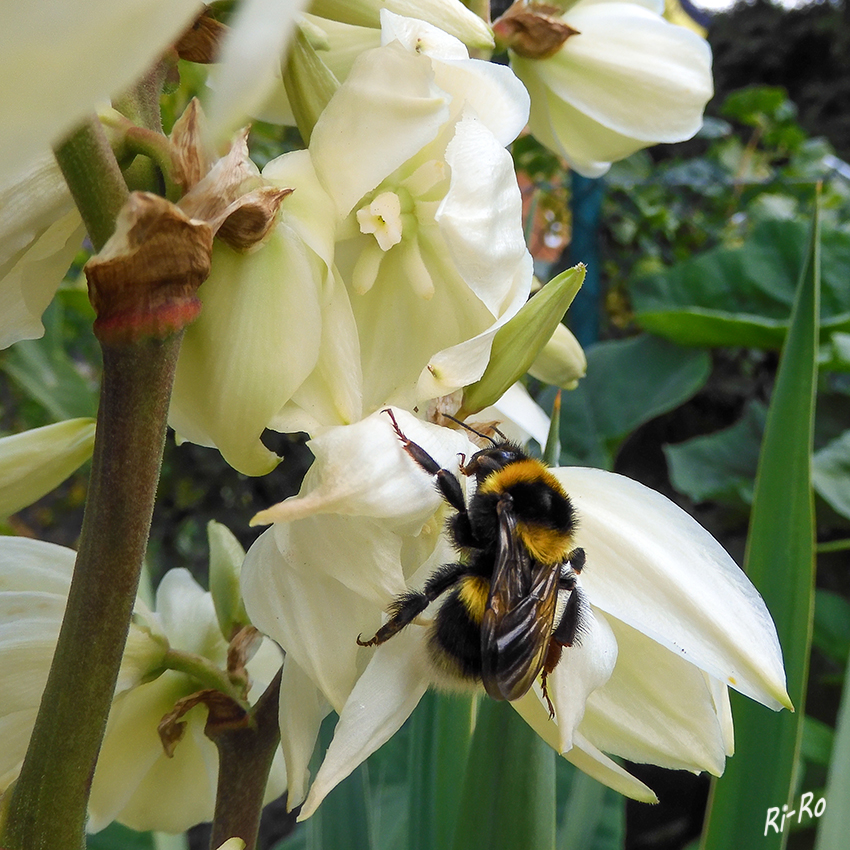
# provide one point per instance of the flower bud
(519, 341)
(309, 83)
(226, 556)
(561, 362)
(36, 461)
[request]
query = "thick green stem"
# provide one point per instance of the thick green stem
(94, 178)
(47, 810)
(245, 758)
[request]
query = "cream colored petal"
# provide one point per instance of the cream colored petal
(582, 669)
(583, 754)
(632, 71)
(595, 763)
(332, 394)
(302, 709)
(383, 698)
(65, 58)
(480, 217)
(450, 16)
(463, 363)
(561, 362)
(35, 565)
(370, 128)
(29, 280)
(588, 147)
(135, 782)
(363, 470)
(656, 708)
(188, 616)
(519, 415)
(315, 619)
(34, 462)
(256, 340)
(498, 98)
(655, 568)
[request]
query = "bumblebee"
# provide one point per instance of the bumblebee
(512, 602)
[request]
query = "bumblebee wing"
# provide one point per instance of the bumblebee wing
(520, 614)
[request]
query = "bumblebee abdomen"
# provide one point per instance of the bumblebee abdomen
(455, 639)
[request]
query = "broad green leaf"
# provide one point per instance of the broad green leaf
(118, 837)
(49, 377)
(628, 383)
(818, 738)
(834, 825)
(508, 799)
(831, 470)
(780, 562)
(831, 633)
(742, 296)
(720, 466)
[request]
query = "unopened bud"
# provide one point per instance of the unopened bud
(518, 342)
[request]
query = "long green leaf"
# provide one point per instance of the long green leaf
(780, 562)
(441, 732)
(508, 800)
(834, 826)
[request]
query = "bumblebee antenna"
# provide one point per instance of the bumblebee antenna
(473, 431)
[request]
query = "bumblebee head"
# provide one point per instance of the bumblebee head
(487, 461)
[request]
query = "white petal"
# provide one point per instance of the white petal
(35, 565)
(302, 710)
(655, 568)
(251, 58)
(30, 279)
(333, 392)
(136, 782)
(520, 415)
(494, 92)
(481, 215)
(33, 462)
(188, 617)
(582, 669)
(65, 58)
(632, 71)
(656, 708)
(583, 754)
(383, 698)
(588, 147)
(462, 364)
(315, 619)
(370, 127)
(593, 762)
(363, 470)
(448, 15)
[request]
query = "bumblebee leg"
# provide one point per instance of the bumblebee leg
(447, 484)
(407, 607)
(568, 630)
(577, 560)
(553, 656)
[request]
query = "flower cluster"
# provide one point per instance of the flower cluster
(382, 265)
(136, 782)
